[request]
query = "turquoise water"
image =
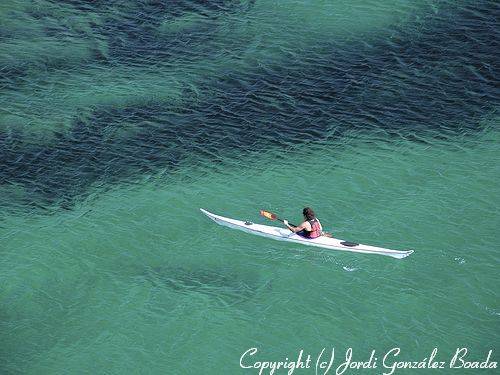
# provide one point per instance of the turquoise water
(118, 121)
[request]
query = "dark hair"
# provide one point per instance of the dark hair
(308, 213)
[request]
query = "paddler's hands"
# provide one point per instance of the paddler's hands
(288, 225)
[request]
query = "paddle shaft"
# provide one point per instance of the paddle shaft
(283, 221)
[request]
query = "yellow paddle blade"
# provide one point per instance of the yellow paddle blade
(267, 214)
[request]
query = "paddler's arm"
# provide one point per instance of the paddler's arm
(292, 228)
(323, 233)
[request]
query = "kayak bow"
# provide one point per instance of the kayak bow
(283, 234)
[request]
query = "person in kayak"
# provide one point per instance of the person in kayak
(310, 228)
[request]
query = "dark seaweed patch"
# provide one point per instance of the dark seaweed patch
(130, 34)
(221, 285)
(434, 80)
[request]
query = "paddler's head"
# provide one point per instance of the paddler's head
(308, 213)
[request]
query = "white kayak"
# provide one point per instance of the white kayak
(283, 234)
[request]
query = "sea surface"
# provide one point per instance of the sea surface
(120, 119)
